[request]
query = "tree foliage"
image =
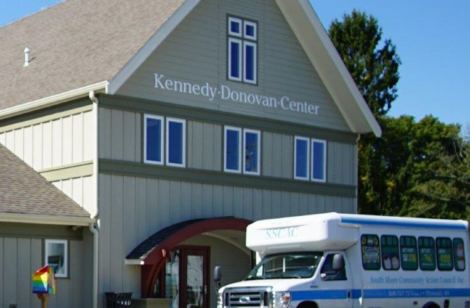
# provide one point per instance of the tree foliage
(417, 168)
(372, 63)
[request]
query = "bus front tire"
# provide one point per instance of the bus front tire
(431, 305)
(307, 305)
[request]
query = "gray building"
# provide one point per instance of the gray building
(172, 124)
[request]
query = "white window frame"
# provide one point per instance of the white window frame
(254, 25)
(255, 62)
(66, 255)
(240, 63)
(240, 143)
(240, 23)
(307, 178)
(167, 142)
(162, 119)
(324, 160)
(258, 155)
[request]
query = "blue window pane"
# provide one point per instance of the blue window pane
(175, 143)
(235, 59)
(233, 150)
(250, 63)
(318, 161)
(154, 140)
(235, 27)
(250, 31)
(301, 158)
(251, 152)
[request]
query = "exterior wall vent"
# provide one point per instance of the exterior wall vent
(26, 57)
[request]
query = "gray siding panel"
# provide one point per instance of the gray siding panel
(204, 146)
(342, 163)
(277, 155)
(120, 135)
(284, 68)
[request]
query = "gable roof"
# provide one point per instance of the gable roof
(94, 44)
(74, 44)
(24, 192)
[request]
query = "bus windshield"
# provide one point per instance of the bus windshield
(286, 266)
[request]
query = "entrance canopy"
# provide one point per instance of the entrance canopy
(152, 253)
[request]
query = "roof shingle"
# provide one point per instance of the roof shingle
(24, 191)
(74, 44)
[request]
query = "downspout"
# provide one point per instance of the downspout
(357, 173)
(94, 228)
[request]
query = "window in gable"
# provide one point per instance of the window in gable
(242, 50)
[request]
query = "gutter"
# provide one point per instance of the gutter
(53, 100)
(46, 219)
(94, 227)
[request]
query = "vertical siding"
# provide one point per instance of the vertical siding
(342, 163)
(277, 155)
(204, 146)
(53, 143)
(20, 257)
(81, 190)
(132, 209)
(120, 135)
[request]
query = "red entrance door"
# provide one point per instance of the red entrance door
(194, 283)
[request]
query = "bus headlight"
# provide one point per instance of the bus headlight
(220, 301)
(282, 299)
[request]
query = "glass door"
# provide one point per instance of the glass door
(194, 278)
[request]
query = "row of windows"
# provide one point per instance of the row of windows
(391, 253)
(242, 50)
(242, 149)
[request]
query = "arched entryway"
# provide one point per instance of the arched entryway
(179, 257)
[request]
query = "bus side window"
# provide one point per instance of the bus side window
(459, 254)
(409, 253)
(370, 252)
(390, 253)
(427, 254)
(445, 260)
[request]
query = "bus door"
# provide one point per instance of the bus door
(335, 285)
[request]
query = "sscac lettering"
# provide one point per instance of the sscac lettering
(281, 233)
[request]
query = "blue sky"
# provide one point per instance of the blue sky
(432, 38)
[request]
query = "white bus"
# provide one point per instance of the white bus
(336, 260)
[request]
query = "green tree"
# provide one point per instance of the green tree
(445, 193)
(416, 168)
(373, 63)
(374, 66)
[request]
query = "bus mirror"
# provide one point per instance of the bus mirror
(338, 262)
(217, 274)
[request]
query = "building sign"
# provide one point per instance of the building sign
(225, 93)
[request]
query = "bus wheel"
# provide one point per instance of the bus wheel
(307, 305)
(431, 305)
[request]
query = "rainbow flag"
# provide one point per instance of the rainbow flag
(44, 281)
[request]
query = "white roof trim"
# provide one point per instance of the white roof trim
(138, 59)
(52, 100)
(46, 219)
(324, 56)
